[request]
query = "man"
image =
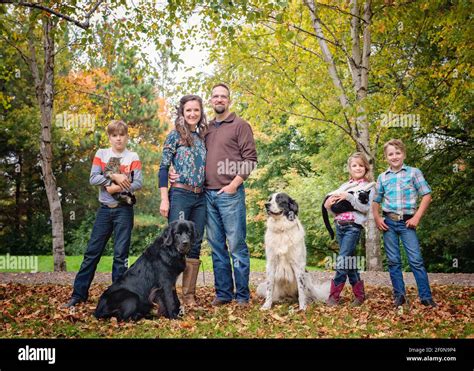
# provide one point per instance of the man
(231, 156)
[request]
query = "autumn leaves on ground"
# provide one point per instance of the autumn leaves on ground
(34, 311)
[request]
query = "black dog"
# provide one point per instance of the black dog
(342, 207)
(152, 278)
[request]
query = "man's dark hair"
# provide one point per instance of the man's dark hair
(223, 85)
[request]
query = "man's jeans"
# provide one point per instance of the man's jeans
(348, 237)
(412, 248)
(118, 220)
(226, 220)
(187, 205)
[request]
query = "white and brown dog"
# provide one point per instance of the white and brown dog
(285, 250)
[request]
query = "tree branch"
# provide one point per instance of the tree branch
(84, 25)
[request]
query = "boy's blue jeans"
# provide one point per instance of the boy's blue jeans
(348, 237)
(398, 229)
(118, 220)
(191, 206)
(226, 220)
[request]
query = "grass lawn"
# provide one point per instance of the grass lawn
(45, 264)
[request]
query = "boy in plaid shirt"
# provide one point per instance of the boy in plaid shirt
(397, 190)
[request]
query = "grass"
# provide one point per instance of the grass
(45, 264)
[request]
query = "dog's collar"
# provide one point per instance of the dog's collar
(274, 214)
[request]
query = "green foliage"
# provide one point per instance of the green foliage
(420, 64)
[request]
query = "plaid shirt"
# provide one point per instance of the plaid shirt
(400, 190)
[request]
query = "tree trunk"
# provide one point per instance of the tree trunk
(45, 94)
(372, 240)
(359, 128)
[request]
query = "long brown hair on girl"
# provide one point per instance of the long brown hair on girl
(181, 125)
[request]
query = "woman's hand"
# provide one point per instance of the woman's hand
(164, 207)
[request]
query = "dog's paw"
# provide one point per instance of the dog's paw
(302, 308)
(266, 306)
(182, 311)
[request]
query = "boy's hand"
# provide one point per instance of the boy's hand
(173, 175)
(381, 224)
(121, 180)
(413, 222)
(164, 207)
(114, 188)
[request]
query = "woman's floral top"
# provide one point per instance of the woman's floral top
(189, 162)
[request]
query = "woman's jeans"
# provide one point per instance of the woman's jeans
(187, 205)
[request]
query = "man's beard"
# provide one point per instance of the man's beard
(219, 109)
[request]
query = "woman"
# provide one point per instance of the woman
(185, 149)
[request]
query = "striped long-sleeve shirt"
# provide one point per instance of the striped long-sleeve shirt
(130, 165)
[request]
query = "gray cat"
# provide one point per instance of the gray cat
(113, 167)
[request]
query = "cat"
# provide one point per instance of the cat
(113, 167)
(362, 193)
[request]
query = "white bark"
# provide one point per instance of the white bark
(359, 126)
(44, 86)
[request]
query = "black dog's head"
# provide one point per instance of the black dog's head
(281, 203)
(181, 235)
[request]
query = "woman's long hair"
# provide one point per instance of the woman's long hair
(182, 126)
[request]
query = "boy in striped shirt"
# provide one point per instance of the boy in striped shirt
(398, 189)
(112, 215)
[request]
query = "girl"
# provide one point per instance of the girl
(349, 227)
(185, 149)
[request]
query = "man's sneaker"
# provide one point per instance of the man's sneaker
(399, 301)
(218, 302)
(429, 303)
(72, 302)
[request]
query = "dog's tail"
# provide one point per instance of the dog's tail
(327, 223)
(320, 291)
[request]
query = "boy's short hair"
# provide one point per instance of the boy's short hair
(397, 143)
(117, 126)
(222, 85)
